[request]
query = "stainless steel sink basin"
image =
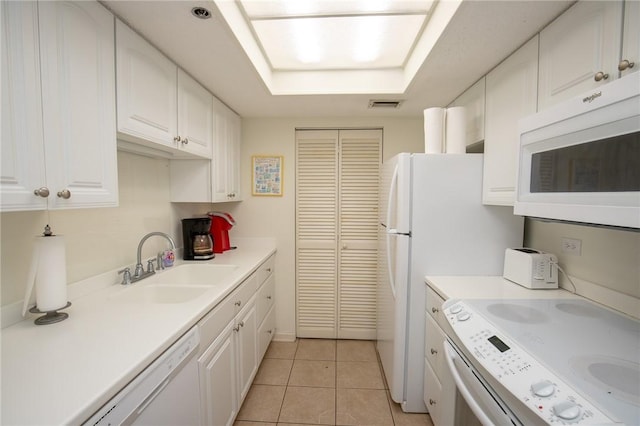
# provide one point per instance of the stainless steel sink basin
(158, 293)
(194, 274)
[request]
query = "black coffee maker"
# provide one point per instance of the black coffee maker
(198, 244)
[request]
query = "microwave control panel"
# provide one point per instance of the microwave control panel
(526, 379)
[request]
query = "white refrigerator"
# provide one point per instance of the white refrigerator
(432, 222)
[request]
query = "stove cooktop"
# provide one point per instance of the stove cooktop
(594, 349)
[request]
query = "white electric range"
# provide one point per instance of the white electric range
(545, 361)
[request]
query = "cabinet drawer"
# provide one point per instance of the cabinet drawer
(266, 269)
(215, 321)
(266, 297)
(266, 332)
(240, 297)
(434, 346)
(439, 397)
(434, 307)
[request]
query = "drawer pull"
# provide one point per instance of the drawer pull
(432, 402)
(435, 310)
(433, 351)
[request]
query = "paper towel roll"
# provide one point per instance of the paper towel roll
(456, 131)
(434, 122)
(51, 273)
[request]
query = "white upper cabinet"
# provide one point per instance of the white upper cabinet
(22, 146)
(473, 100)
(580, 50)
(511, 95)
(226, 157)
(159, 106)
(630, 60)
(75, 80)
(195, 116)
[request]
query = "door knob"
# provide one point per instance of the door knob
(42, 192)
(65, 193)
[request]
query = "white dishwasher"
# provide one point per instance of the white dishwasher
(165, 393)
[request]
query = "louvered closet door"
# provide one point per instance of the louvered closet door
(336, 224)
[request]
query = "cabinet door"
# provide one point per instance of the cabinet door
(195, 116)
(473, 102)
(247, 348)
(511, 95)
(218, 380)
(78, 103)
(147, 90)
(583, 41)
(220, 146)
(22, 146)
(233, 156)
(631, 36)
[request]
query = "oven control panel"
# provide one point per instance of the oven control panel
(526, 379)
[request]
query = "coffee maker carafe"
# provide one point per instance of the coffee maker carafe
(198, 244)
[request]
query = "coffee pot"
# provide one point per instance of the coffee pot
(198, 244)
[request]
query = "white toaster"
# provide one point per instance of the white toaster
(531, 268)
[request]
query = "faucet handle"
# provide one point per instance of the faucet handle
(126, 276)
(150, 268)
(159, 261)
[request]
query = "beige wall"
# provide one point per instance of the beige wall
(275, 216)
(97, 240)
(610, 257)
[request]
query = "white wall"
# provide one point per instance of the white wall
(275, 216)
(97, 240)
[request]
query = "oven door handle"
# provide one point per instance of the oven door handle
(451, 356)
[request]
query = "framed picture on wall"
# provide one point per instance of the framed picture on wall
(267, 171)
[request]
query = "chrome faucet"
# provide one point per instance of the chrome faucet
(140, 273)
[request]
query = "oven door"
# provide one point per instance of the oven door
(489, 409)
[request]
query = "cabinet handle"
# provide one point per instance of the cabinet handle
(600, 76)
(42, 192)
(238, 303)
(432, 402)
(624, 64)
(435, 310)
(268, 297)
(185, 141)
(177, 139)
(241, 323)
(65, 193)
(270, 331)
(433, 351)
(236, 328)
(269, 270)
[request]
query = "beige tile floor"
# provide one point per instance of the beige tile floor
(322, 382)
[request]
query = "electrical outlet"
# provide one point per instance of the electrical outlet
(572, 246)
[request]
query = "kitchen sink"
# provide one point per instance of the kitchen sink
(158, 293)
(192, 274)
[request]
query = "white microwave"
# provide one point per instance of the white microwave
(579, 161)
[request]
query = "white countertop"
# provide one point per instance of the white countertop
(62, 373)
(489, 287)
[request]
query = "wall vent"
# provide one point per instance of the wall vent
(384, 103)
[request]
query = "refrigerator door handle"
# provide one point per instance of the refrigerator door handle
(392, 282)
(392, 191)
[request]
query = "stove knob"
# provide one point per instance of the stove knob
(463, 316)
(543, 389)
(567, 410)
(456, 309)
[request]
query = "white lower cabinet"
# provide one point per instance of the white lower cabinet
(232, 346)
(439, 386)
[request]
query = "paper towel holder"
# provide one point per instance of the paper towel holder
(50, 317)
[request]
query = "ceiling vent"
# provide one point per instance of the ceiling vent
(201, 13)
(383, 103)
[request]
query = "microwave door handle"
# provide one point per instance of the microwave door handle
(450, 356)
